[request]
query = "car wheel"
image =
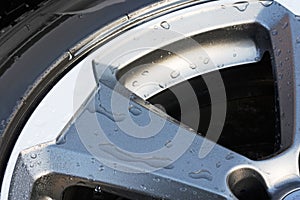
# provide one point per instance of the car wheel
(150, 100)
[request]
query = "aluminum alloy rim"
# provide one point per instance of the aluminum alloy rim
(39, 162)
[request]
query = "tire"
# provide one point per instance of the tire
(240, 85)
(35, 42)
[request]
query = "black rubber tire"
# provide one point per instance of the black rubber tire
(32, 39)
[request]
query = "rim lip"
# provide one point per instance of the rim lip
(64, 79)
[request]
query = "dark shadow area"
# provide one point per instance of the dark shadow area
(252, 122)
(86, 193)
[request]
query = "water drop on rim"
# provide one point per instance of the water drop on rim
(143, 187)
(230, 156)
(98, 189)
(266, 3)
(165, 25)
(33, 156)
(241, 6)
(135, 110)
(193, 66)
(174, 74)
(218, 164)
(135, 83)
(169, 167)
(61, 140)
(101, 168)
(298, 40)
(278, 52)
(145, 73)
(156, 179)
(274, 32)
(161, 85)
(206, 61)
(168, 144)
(201, 174)
(285, 25)
(220, 66)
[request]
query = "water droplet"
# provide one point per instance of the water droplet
(31, 165)
(78, 164)
(174, 74)
(298, 40)
(220, 66)
(156, 179)
(183, 189)
(135, 110)
(266, 3)
(16, 58)
(229, 156)
(27, 26)
(234, 54)
(297, 17)
(168, 144)
(143, 187)
(193, 66)
(278, 52)
(206, 61)
(274, 32)
(135, 83)
(169, 167)
(101, 168)
(161, 85)
(70, 55)
(165, 25)
(61, 140)
(241, 6)
(218, 164)
(93, 160)
(33, 156)
(145, 73)
(155, 27)
(285, 25)
(91, 177)
(2, 125)
(223, 6)
(201, 174)
(98, 189)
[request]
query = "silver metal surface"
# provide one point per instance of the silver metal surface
(57, 155)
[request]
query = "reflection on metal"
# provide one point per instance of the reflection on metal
(43, 169)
